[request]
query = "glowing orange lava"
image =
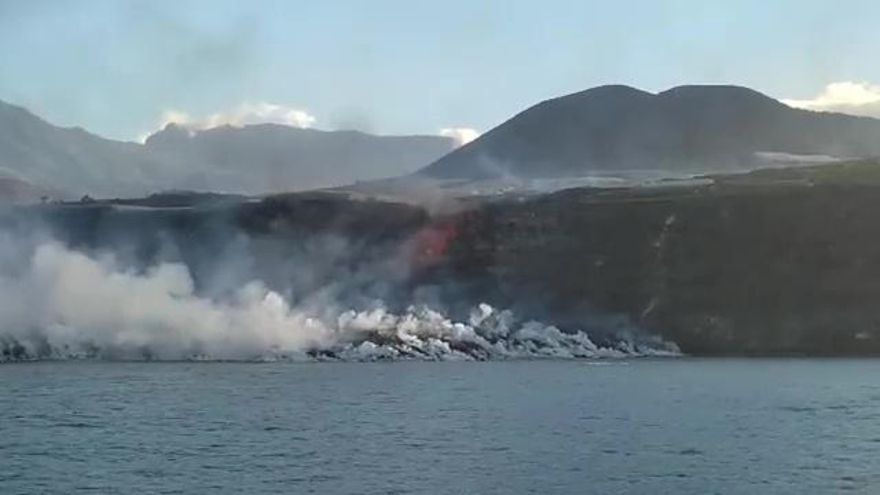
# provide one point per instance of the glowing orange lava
(431, 244)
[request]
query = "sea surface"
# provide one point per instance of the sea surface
(616, 426)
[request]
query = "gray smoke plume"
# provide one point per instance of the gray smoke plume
(58, 302)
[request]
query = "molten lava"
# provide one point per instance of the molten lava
(430, 245)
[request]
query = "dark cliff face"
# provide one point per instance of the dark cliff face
(773, 263)
(738, 270)
(684, 129)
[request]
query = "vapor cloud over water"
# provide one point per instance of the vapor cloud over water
(63, 303)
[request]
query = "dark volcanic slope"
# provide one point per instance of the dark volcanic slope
(688, 128)
(774, 262)
(765, 264)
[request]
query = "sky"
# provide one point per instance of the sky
(123, 68)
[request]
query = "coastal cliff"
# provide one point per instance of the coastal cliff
(782, 262)
(741, 267)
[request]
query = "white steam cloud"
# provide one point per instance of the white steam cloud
(76, 302)
(244, 114)
(461, 135)
(854, 98)
(64, 303)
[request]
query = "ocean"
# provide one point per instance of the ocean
(644, 425)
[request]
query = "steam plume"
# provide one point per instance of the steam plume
(461, 135)
(63, 303)
(854, 98)
(244, 114)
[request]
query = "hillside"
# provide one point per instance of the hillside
(71, 159)
(685, 129)
(765, 263)
(254, 159)
(271, 158)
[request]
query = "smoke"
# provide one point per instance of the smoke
(58, 302)
(244, 114)
(78, 303)
(461, 135)
(854, 98)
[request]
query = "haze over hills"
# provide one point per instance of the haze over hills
(601, 131)
(269, 158)
(71, 162)
(681, 130)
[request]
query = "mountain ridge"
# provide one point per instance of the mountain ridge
(602, 130)
(698, 128)
(283, 158)
(75, 162)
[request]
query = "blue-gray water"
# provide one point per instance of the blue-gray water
(641, 426)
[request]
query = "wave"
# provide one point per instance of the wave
(69, 305)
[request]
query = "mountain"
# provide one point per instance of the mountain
(275, 158)
(254, 159)
(13, 191)
(684, 129)
(70, 159)
(605, 130)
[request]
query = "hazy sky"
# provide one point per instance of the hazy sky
(119, 67)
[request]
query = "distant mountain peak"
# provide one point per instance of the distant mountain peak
(717, 93)
(170, 135)
(254, 159)
(686, 129)
(712, 89)
(609, 91)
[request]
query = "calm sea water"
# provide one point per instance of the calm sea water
(641, 426)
